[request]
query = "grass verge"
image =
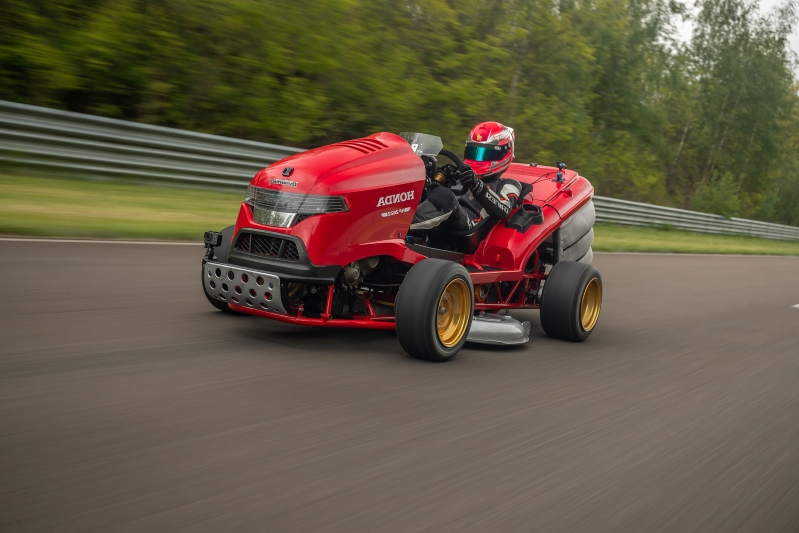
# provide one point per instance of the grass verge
(610, 238)
(79, 208)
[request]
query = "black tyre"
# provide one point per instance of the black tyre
(571, 301)
(220, 254)
(434, 309)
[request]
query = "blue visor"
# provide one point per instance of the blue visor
(485, 152)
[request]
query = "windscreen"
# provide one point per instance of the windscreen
(422, 143)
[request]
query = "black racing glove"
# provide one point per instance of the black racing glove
(466, 176)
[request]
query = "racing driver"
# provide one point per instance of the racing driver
(488, 153)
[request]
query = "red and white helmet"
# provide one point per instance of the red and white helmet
(489, 149)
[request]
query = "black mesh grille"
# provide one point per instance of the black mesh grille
(272, 247)
(291, 253)
(243, 244)
(266, 246)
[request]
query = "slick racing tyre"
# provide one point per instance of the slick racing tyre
(434, 309)
(571, 301)
(220, 254)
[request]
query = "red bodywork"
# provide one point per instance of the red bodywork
(384, 164)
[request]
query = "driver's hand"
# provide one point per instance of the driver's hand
(466, 176)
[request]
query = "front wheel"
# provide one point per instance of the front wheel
(571, 301)
(434, 309)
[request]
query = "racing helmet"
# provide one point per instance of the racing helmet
(489, 149)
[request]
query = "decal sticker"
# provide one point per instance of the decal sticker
(283, 182)
(288, 171)
(395, 212)
(395, 198)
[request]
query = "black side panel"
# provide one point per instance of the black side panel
(221, 251)
(436, 253)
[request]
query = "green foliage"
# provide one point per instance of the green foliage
(601, 84)
(719, 196)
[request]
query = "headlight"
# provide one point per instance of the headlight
(282, 209)
(250, 194)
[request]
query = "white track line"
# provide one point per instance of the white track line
(91, 241)
(795, 306)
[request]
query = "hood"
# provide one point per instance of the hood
(344, 167)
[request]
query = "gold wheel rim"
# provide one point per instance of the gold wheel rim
(591, 304)
(452, 313)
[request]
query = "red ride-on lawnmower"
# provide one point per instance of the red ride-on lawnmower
(322, 239)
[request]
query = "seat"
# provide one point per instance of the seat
(463, 241)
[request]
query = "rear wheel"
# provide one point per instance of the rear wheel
(220, 254)
(434, 309)
(571, 301)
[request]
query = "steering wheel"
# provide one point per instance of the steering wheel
(458, 161)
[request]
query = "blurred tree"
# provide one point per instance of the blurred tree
(719, 196)
(601, 84)
(742, 88)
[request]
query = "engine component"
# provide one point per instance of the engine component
(481, 292)
(355, 271)
(352, 274)
(295, 291)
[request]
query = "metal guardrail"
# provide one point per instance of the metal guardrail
(47, 138)
(44, 138)
(614, 211)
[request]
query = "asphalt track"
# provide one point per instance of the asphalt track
(128, 404)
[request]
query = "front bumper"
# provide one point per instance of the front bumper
(247, 287)
(257, 292)
(298, 269)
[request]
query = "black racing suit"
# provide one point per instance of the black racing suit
(492, 197)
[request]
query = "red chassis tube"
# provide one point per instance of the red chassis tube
(516, 299)
(385, 323)
(370, 321)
